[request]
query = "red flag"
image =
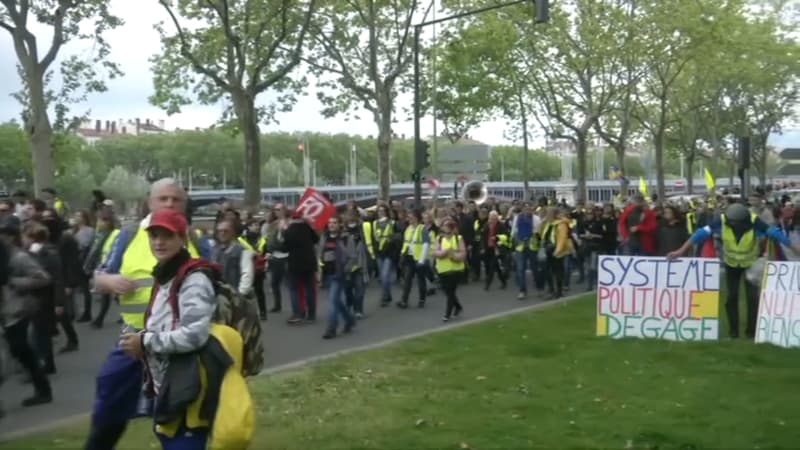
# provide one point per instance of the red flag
(315, 208)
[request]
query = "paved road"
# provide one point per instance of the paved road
(74, 384)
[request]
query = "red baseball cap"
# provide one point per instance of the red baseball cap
(169, 219)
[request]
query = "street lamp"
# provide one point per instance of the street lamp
(541, 10)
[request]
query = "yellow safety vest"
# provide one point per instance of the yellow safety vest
(412, 237)
(112, 237)
(246, 244)
(477, 225)
(742, 253)
(60, 206)
(137, 265)
(383, 235)
(691, 222)
(366, 228)
(445, 265)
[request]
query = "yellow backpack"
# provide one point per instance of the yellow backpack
(234, 419)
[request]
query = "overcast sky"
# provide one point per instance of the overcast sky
(132, 45)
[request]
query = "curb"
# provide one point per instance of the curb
(539, 305)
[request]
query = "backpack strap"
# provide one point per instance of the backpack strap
(190, 266)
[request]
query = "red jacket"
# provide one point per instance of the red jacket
(646, 228)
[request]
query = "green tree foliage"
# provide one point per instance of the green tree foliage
(68, 21)
(125, 187)
(362, 51)
(232, 51)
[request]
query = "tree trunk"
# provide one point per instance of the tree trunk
(580, 148)
(625, 183)
(524, 117)
(762, 169)
(658, 146)
(246, 113)
(384, 122)
(41, 133)
(690, 175)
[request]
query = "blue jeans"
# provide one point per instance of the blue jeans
(354, 291)
(185, 439)
(336, 306)
(385, 267)
(522, 258)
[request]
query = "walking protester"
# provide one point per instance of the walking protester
(105, 236)
(637, 227)
(740, 230)
(69, 253)
(51, 298)
(476, 254)
(83, 232)
(356, 277)
(595, 236)
(433, 232)
(19, 305)
(525, 247)
(450, 253)
(258, 243)
(51, 198)
(414, 255)
(672, 232)
(128, 273)
(164, 337)
(299, 240)
(337, 257)
(273, 232)
(235, 260)
(494, 244)
(385, 231)
(558, 245)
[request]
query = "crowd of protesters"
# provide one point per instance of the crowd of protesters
(542, 246)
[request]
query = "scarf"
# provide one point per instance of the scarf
(163, 272)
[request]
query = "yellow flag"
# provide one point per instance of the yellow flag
(643, 187)
(710, 182)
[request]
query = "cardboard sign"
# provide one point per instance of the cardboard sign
(315, 208)
(652, 297)
(779, 308)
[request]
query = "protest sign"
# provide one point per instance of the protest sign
(653, 297)
(779, 308)
(315, 208)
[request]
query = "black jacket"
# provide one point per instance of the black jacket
(182, 383)
(299, 240)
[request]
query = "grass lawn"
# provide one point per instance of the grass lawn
(538, 380)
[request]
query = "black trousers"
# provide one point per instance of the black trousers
(66, 322)
(258, 287)
(450, 281)
(20, 349)
(494, 262)
(556, 280)
(43, 339)
(734, 276)
(105, 303)
(85, 291)
(413, 270)
(475, 259)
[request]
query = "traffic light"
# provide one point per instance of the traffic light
(422, 157)
(541, 11)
